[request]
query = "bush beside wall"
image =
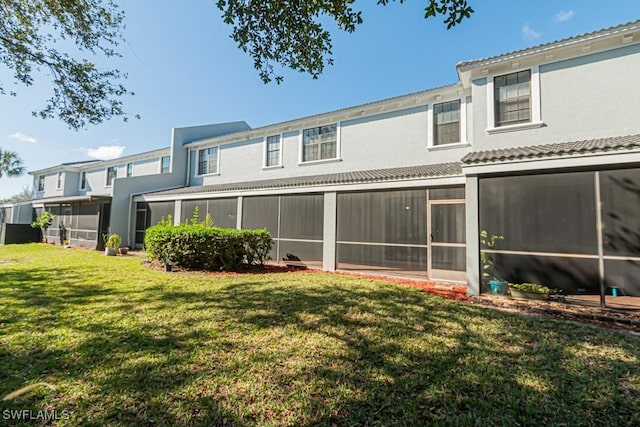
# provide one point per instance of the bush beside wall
(196, 246)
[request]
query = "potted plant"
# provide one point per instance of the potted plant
(529, 291)
(111, 244)
(487, 261)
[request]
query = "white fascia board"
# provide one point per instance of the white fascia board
(559, 162)
(128, 159)
(422, 182)
(560, 51)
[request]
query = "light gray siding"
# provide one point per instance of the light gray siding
(386, 140)
(593, 96)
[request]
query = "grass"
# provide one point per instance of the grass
(125, 345)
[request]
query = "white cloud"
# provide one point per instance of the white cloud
(563, 16)
(105, 152)
(529, 33)
(23, 138)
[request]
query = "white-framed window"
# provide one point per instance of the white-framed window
(83, 180)
(59, 181)
(129, 169)
(512, 98)
(165, 164)
(513, 101)
(40, 182)
(273, 151)
(320, 143)
(112, 173)
(208, 161)
(446, 123)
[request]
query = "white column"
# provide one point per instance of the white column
(473, 233)
(177, 212)
(239, 213)
(329, 235)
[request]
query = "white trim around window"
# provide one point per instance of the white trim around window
(265, 152)
(162, 171)
(209, 164)
(59, 180)
(82, 184)
(108, 184)
(337, 158)
(536, 115)
(462, 123)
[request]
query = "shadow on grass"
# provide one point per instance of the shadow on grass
(292, 349)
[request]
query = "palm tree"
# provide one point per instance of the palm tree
(10, 164)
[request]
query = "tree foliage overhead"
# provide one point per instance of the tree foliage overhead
(290, 33)
(56, 37)
(10, 164)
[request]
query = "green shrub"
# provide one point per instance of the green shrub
(200, 247)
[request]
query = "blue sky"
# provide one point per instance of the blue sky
(185, 70)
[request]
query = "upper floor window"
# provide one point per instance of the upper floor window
(41, 183)
(273, 151)
(446, 123)
(59, 181)
(165, 164)
(83, 180)
(512, 97)
(319, 143)
(112, 172)
(208, 160)
(129, 169)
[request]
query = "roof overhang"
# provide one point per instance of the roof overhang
(573, 47)
(69, 199)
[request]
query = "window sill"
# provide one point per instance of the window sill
(266, 168)
(315, 162)
(208, 174)
(511, 128)
(448, 146)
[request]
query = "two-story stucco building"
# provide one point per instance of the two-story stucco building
(540, 146)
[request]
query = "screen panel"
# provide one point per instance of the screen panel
(302, 216)
(541, 213)
(383, 217)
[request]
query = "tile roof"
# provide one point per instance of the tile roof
(629, 26)
(356, 177)
(557, 149)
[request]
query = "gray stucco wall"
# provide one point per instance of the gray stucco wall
(122, 209)
(385, 140)
(588, 97)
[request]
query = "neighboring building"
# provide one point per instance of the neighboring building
(540, 146)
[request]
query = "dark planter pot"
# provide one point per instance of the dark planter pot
(168, 267)
(515, 293)
(498, 287)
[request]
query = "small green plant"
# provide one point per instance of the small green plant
(112, 241)
(43, 222)
(531, 287)
(487, 260)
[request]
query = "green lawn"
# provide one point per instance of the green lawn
(125, 345)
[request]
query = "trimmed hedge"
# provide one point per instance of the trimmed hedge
(198, 247)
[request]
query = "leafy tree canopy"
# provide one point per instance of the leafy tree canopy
(290, 33)
(56, 37)
(10, 164)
